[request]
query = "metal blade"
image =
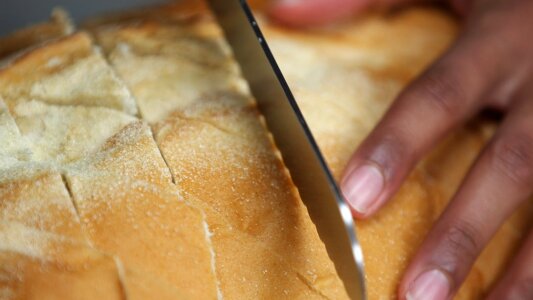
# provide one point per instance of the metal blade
(301, 155)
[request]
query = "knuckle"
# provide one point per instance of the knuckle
(461, 244)
(512, 156)
(391, 152)
(443, 91)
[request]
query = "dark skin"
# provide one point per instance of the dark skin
(490, 65)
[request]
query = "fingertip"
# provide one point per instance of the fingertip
(314, 12)
(292, 15)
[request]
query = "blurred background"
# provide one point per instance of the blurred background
(16, 14)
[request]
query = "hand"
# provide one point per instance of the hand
(490, 65)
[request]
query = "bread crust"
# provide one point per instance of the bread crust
(68, 71)
(102, 168)
(128, 206)
(37, 264)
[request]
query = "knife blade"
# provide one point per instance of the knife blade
(308, 169)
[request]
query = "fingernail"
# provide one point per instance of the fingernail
(362, 186)
(430, 285)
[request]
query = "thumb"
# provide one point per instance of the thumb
(316, 12)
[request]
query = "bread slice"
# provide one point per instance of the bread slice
(24, 39)
(129, 207)
(40, 265)
(222, 158)
(35, 196)
(69, 71)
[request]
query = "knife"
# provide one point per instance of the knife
(301, 155)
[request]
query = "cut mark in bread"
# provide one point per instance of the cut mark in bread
(124, 191)
(35, 196)
(69, 71)
(36, 264)
(240, 178)
(164, 159)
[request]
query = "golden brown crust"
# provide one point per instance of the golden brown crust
(222, 159)
(72, 111)
(88, 278)
(252, 270)
(58, 26)
(125, 199)
(70, 48)
(68, 71)
(176, 60)
(36, 264)
(37, 198)
(140, 285)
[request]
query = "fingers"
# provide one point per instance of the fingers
(461, 6)
(501, 179)
(517, 283)
(317, 12)
(448, 93)
(483, 62)
(314, 12)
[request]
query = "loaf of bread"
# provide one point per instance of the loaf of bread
(135, 164)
